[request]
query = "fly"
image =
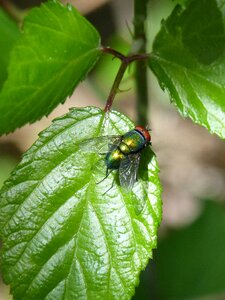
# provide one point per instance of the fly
(124, 155)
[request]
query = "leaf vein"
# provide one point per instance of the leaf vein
(160, 58)
(55, 77)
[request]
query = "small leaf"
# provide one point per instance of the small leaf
(57, 49)
(189, 60)
(9, 33)
(67, 233)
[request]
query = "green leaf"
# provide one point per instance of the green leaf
(189, 61)
(190, 262)
(9, 33)
(57, 49)
(67, 233)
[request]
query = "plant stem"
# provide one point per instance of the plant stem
(115, 85)
(125, 61)
(14, 12)
(140, 14)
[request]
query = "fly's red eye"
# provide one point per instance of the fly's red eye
(144, 132)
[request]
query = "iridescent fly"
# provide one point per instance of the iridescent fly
(124, 155)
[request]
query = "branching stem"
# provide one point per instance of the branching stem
(125, 61)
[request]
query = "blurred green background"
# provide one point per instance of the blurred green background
(190, 260)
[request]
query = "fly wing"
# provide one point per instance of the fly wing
(114, 143)
(101, 144)
(128, 170)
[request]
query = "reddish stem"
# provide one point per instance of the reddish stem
(125, 61)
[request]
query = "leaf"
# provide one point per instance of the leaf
(193, 257)
(189, 61)
(67, 233)
(9, 33)
(57, 49)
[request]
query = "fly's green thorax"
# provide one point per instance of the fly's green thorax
(132, 142)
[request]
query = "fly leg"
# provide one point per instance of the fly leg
(108, 172)
(109, 188)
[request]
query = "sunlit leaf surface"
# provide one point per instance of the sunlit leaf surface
(55, 52)
(189, 61)
(67, 233)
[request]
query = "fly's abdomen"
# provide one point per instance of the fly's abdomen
(114, 158)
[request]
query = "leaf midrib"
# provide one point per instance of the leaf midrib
(47, 174)
(40, 181)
